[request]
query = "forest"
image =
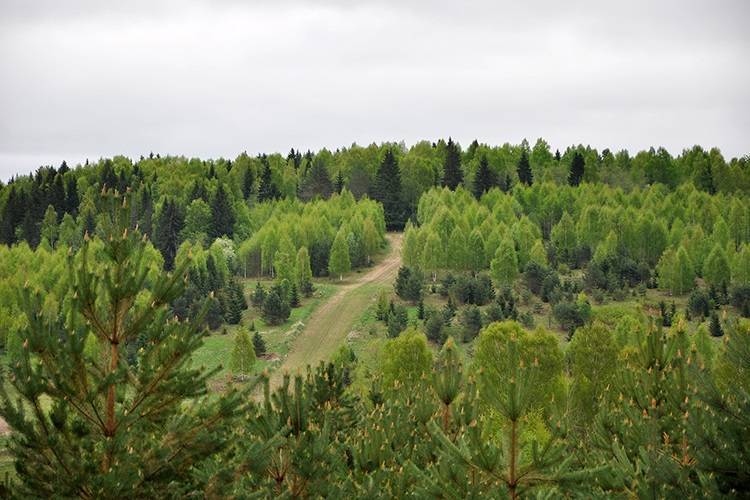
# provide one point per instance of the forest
(386, 321)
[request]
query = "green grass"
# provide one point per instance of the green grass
(217, 346)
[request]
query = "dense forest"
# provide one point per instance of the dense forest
(561, 324)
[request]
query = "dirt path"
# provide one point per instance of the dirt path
(329, 325)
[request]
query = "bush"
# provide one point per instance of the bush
(275, 309)
(699, 304)
(409, 284)
(259, 345)
(571, 315)
(434, 326)
(477, 290)
(397, 321)
(471, 321)
(243, 354)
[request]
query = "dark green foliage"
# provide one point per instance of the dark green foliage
(420, 308)
(667, 314)
(113, 429)
(248, 183)
(267, 190)
(222, 215)
(317, 183)
(467, 288)
(714, 326)
(453, 175)
(577, 166)
(571, 315)
(387, 190)
(485, 178)
(214, 314)
(408, 284)
(471, 322)
(169, 223)
(275, 309)
(397, 320)
(339, 182)
(524, 169)
(259, 344)
(259, 295)
(434, 326)
(293, 296)
(741, 299)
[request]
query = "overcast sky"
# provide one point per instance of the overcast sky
(81, 79)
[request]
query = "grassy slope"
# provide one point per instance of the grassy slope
(329, 326)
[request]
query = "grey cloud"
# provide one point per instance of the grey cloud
(87, 79)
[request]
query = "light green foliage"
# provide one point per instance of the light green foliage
(243, 353)
(539, 349)
(411, 253)
(339, 262)
(538, 254)
(504, 266)
(741, 267)
(49, 230)
(406, 359)
(676, 271)
(716, 270)
(197, 221)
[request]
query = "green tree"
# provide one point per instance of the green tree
(524, 169)
(453, 175)
(243, 354)
(304, 272)
(576, 169)
(405, 359)
(339, 262)
(222, 215)
(485, 179)
(113, 429)
(259, 345)
(169, 224)
(716, 268)
(387, 190)
(198, 220)
(275, 309)
(317, 182)
(433, 255)
(49, 229)
(504, 266)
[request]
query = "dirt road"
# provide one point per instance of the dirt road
(329, 325)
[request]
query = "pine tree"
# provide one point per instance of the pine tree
(453, 175)
(485, 179)
(524, 169)
(339, 262)
(112, 429)
(387, 190)
(243, 354)
(259, 345)
(577, 166)
(222, 215)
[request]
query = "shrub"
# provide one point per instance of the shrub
(471, 321)
(741, 299)
(397, 321)
(434, 326)
(243, 354)
(409, 284)
(275, 309)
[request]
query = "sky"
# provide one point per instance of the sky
(91, 79)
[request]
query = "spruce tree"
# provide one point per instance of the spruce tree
(248, 183)
(169, 223)
(577, 166)
(304, 272)
(317, 182)
(524, 169)
(453, 176)
(714, 326)
(485, 179)
(267, 191)
(339, 181)
(387, 190)
(222, 215)
(113, 429)
(275, 309)
(259, 345)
